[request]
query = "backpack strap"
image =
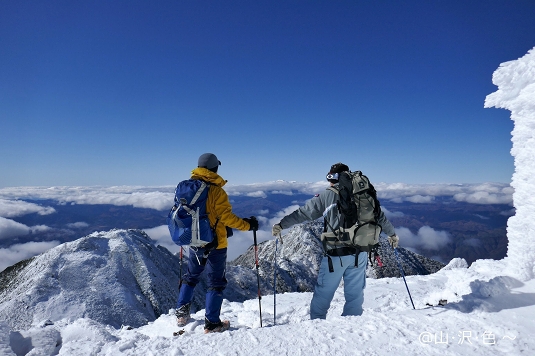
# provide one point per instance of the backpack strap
(333, 189)
(199, 192)
(209, 247)
(325, 223)
(330, 263)
(197, 195)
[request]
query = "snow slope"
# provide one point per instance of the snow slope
(485, 315)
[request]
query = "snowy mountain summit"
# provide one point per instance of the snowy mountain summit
(118, 278)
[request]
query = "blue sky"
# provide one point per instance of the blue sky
(132, 92)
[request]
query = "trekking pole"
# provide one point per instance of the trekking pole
(257, 276)
(275, 285)
(403, 275)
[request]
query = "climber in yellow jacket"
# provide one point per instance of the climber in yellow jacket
(213, 257)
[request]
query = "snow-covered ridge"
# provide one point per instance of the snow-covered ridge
(299, 255)
(116, 277)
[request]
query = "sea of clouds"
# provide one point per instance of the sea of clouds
(19, 201)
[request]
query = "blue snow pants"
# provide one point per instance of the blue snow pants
(328, 282)
(215, 268)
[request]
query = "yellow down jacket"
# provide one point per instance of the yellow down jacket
(218, 206)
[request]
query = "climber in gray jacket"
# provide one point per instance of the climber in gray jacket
(324, 204)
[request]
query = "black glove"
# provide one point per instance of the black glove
(253, 223)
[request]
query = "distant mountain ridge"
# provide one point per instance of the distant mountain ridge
(121, 277)
(300, 254)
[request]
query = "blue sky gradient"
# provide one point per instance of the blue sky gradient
(132, 92)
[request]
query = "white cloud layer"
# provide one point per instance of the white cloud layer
(10, 228)
(15, 253)
(426, 238)
(161, 198)
(392, 214)
(14, 208)
(78, 225)
(485, 193)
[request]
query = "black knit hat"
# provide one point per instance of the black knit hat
(209, 161)
(336, 168)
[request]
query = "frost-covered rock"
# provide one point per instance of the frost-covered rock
(494, 287)
(456, 263)
(516, 92)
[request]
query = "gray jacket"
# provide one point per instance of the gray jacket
(325, 203)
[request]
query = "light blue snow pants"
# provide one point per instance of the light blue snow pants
(328, 282)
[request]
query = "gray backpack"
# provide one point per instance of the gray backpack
(358, 213)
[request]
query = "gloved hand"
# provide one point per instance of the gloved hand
(393, 241)
(253, 223)
(276, 230)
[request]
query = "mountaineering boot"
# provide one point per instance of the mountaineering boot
(210, 327)
(182, 314)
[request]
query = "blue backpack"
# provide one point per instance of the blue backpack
(187, 220)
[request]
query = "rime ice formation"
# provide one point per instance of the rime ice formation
(516, 93)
